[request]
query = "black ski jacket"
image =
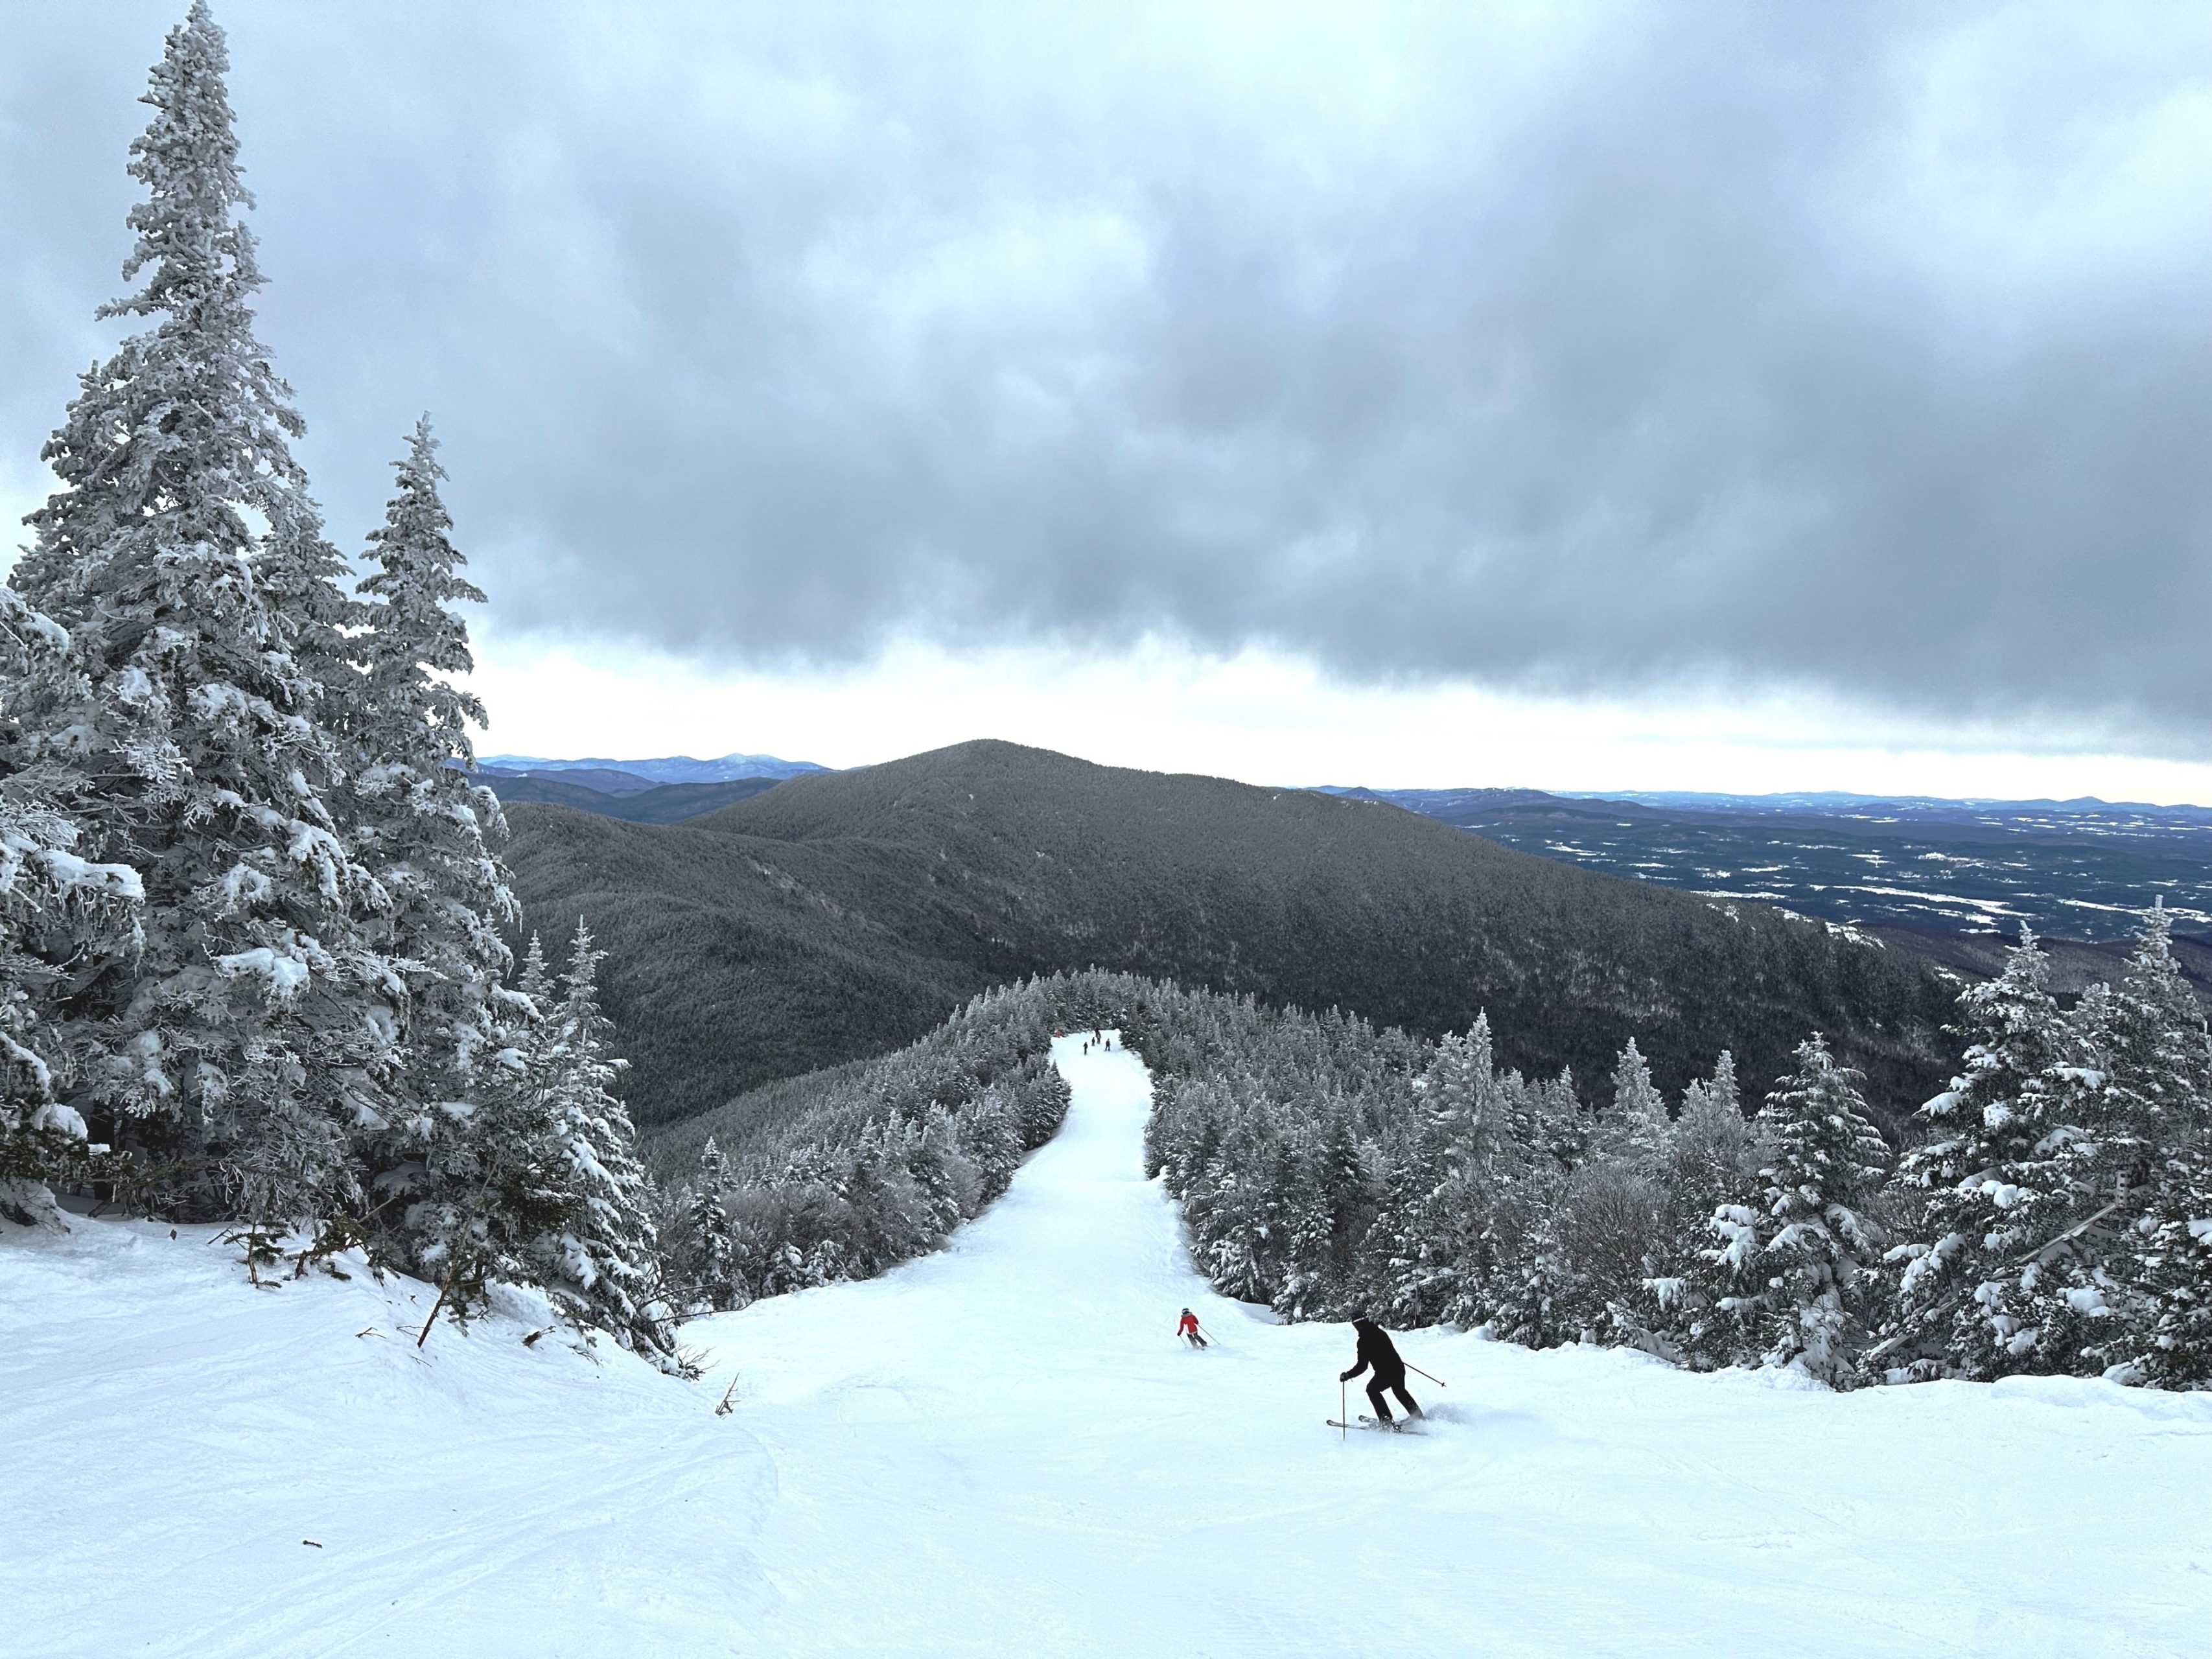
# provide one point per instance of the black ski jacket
(1375, 1350)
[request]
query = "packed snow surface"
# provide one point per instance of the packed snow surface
(1003, 1450)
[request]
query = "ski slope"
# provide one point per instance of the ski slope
(1002, 1449)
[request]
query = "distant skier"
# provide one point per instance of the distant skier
(1375, 1350)
(1188, 1331)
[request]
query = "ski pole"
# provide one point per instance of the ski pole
(1439, 1381)
(1343, 1416)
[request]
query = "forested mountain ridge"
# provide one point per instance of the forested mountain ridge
(841, 915)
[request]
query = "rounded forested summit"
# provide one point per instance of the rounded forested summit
(841, 914)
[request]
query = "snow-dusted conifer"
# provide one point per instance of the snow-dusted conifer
(55, 909)
(995, 1131)
(2090, 1181)
(708, 1236)
(2171, 1272)
(1556, 1125)
(1803, 1260)
(1438, 1235)
(1461, 1100)
(1717, 1149)
(1715, 1162)
(429, 832)
(2154, 1059)
(1526, 1299)
(1713, 1106)
(2156, 1075)
(1999, 1178)
(603, 1266)
(254, 1029)
(1638, 1128)
(494, 1184)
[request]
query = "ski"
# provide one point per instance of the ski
(1392, 1426)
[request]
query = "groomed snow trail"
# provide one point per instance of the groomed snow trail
(171, 1438)
(1002, 1449)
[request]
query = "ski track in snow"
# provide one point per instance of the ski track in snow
(1002, 1449)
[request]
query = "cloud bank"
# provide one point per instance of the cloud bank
(1863, 351)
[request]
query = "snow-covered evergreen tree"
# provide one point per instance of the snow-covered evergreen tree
(2170, 1267)
(2155, 1057)
(1528, 1299)
(1717, 1149)
(187, 739)
(1451, 1237)
(1637, 1127)
(55, 909)
(708, 1236)
(1803, 1260)
(1712, 1107)
(602, 1265)
(1555, 1121)
(1461, 1101)
(1715, 1161)
(494, 1184)
(426, 829)
(2155, 1175)
(2003, 1174)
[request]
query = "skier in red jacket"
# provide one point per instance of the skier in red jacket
(1188, 1331)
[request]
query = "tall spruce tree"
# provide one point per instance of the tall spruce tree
(1999, 1178)
(1716, 1146)
(1803, 1257)
(708, 1237)
(1638, 1128)
(1463, 1106)
(188, 738)
(602, 1265)
(2155, 1057)
(428, 831)
(1715, 1162)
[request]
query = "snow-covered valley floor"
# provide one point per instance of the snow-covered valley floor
(1002, 1449)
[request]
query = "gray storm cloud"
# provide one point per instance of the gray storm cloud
(1859, 349)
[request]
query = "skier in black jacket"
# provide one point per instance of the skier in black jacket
(1375, 1350)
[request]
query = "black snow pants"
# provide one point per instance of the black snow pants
(1396, 1385)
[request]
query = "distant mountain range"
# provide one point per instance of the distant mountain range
(672, 769)
(666, 791)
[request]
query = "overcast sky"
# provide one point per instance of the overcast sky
(1823, 386)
